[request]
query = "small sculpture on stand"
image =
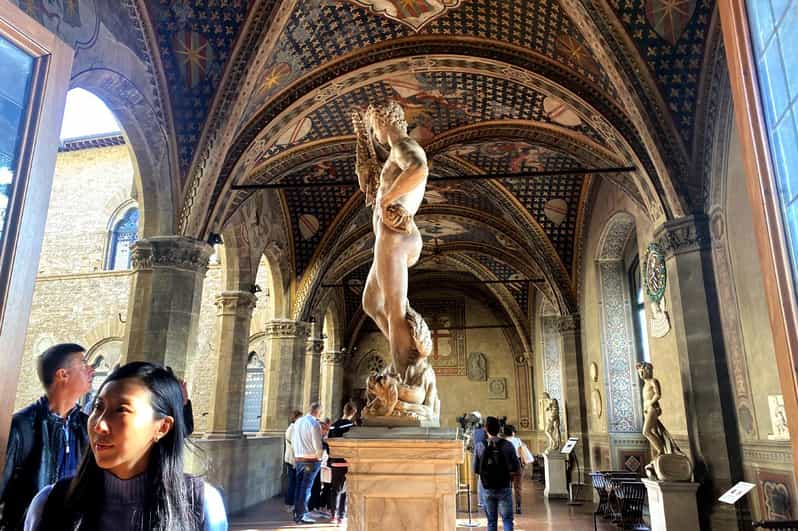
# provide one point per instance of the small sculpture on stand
(669, 463)
(393, 176)
(552, 416)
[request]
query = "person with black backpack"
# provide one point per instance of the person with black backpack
(496, 462)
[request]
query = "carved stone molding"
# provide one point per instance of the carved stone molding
(174, 252)
(525, 359)
(770, 452)
(235, 303)
(568, 323)
(683, 235)
(334, 358)
(287, 328)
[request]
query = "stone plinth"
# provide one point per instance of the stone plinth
(672, 505)
(400, 478)
(556, 480)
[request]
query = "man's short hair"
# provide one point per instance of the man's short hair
(295, 415)
(54, 358)
(349, 409)
(492, 426)
(509, 430)
(314, 407)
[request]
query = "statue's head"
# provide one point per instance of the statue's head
(645, 369)
(389, 114)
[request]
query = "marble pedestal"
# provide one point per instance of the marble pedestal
(400, 478)
(556, 481)
(672, 505)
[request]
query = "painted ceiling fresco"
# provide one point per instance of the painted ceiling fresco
(671, 36)
(195, 39)
(434, 102)
(320, 31)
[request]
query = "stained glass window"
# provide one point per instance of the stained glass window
(124, 235)
(253, 394)
(16, 72)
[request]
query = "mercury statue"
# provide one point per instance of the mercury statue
(393, 174)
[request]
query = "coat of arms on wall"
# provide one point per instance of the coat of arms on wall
(655, 279)
(413, 13)
(497, 389)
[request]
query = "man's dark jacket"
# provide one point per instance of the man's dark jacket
(34, 444)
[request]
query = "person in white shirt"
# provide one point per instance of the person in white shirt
(288, 459)
(519, 446)
(308, 450)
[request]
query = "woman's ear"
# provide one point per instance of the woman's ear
(165, 424)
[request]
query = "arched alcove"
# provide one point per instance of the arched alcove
(617, 326)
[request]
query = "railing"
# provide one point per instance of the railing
(780, 525)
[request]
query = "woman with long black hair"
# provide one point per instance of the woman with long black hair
(132, 479)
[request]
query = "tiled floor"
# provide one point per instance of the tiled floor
(538, 514)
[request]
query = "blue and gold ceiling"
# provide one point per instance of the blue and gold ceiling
(237, 71)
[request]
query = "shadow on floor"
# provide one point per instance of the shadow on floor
(538, 514)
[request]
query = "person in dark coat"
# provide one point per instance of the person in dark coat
(48, 437)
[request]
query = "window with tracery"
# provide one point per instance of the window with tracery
(253, 394)
(124, 234)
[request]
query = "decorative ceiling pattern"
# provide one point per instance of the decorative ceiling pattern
(320, 31)
(313, 209)
(434, 102)
(503, 271)
(195, 39)
(671, 37)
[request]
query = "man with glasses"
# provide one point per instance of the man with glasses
(48, 437)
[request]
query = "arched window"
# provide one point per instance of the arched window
(253, 394)
(637, 298)
(124, 233)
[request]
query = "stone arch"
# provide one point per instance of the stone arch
(148, 143)
(617, 328)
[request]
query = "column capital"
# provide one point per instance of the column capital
(173, 252)
(683, 235)
(568, 323)
(287, 328)
(314, 346)
(235, 302)
(332, 357)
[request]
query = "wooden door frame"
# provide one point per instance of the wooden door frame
(32, 196)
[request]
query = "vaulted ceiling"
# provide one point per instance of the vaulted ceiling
(260, 92)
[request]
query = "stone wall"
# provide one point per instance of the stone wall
(766, 451)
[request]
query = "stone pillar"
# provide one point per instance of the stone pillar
(686, 243)
(311, 391)
(285, 374)
(234, 314)
(334, 382)
(165, 297)
(574, 390)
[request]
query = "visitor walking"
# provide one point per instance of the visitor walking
(519, 447)
(47, 437)
(132, 479)
(308, 451)
(496, 463)
(288, 464)
(338, 466)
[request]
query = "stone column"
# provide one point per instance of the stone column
(334, 382)
(686, 243)
(165, 297)
(311, 389)
(574, 390)
(285, 374)
(234, 314)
